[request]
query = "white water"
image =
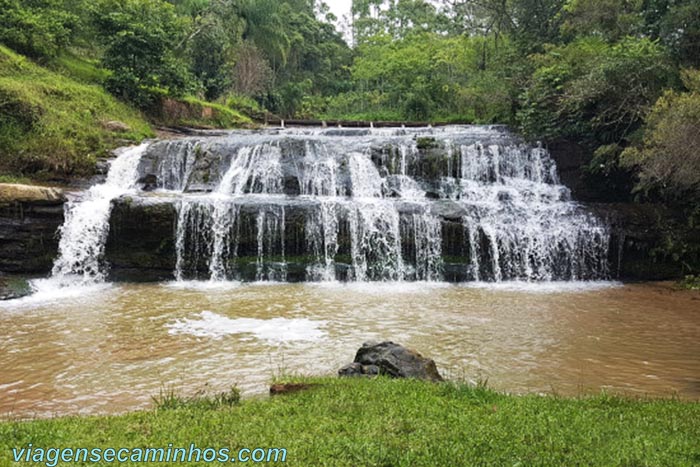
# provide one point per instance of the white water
(84, 232)
(521, 223)
(553, 287)
(366, 208)
(276, 330)
(175, 171)
(206, 225)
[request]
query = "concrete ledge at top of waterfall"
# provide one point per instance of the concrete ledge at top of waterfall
(16, 193)
(390, 359)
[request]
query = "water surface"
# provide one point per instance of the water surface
(110, 348)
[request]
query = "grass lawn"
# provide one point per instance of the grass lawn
(383, 422)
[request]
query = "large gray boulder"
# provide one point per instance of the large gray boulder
(390, 359)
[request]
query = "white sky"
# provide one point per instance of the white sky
(339, 8)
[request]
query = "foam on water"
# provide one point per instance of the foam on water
(47, 291)
(382, 288)
(277, 330)
(551, 287)
(203, 285)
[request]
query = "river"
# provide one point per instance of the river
(109, 348)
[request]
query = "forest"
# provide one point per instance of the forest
(618, 77)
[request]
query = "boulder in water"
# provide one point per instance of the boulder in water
(388, 358)
(13, 287)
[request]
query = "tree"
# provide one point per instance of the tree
(594, 92)
(209, 54)
(252, 74)
(37, 28)
(140, 37)
(265, 26)
(680, 31)
(668, 160)
(609, 19)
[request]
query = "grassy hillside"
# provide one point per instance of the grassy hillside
(54, 126)
(382, 422)
(55, 121)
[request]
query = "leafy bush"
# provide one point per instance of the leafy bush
(591, 91)
(691, 282)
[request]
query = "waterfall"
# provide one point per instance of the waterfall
(520, 223)
(84, 232)
(322, 240)
(206, 226)
(175, 171)
(466, 203)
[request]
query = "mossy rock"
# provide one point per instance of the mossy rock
(427, 143)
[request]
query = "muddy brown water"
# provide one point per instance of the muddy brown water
(111, 348)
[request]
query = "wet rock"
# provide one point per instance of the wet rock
(388, 358)
(149, 182)
(637, 230)
(141, 244)
(448, 210)
(357, 369)
(351, 369)
(427, 143)
(12, 287)
(29, 220)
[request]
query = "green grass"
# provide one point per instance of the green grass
(7, 178)
(82, 69)
(245, 105)
(382, 422)
(52, 125)
(192, 112)
(52, 120)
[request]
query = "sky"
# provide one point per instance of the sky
(339, 8)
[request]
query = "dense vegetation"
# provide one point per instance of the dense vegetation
(399, 423)
(618, 77)
(51, 124)
(191, 62)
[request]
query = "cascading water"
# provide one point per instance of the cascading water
(521, 221)
(455, 203)
(207, 227)
(83, 235)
